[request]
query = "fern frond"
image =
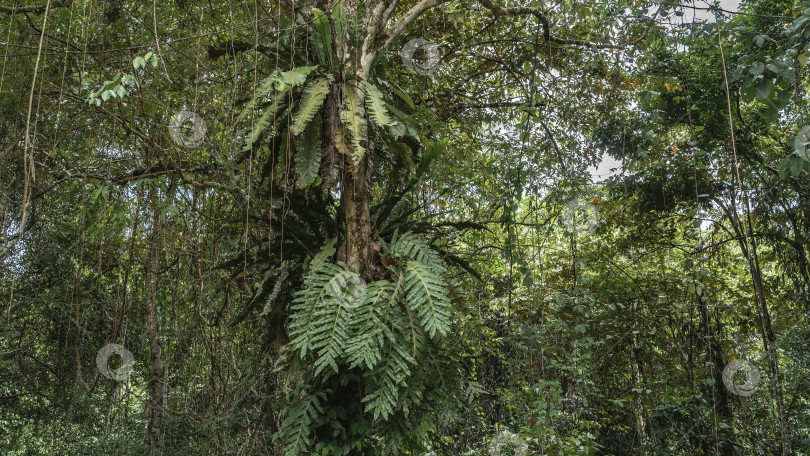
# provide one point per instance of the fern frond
(376, 105)
(321, 257)
(297, 427)
(295, 77)
(354, 119)
(308, 154)
(321, 320)
(426, 294)
(314, 95)
(309, 305)
(322, 37)
(279, 82)
(370, 326)
(266, 121)
(282, 276)
(412, 246)
(383, 383)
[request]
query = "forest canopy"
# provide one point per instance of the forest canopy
(434, 227)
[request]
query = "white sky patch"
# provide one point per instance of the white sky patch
(704, 15)
(607, 167)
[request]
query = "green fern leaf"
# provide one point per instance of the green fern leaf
(354, 119)
(279, 82)
(391, 373)
(426, 294)
(308, 154)
(295, 77)
(314, 95)
(323, 37)
(267, 121)
(326, 252)
(376, 106)
(321, 320)
(297, 427)
(411, 246)
(369, 326)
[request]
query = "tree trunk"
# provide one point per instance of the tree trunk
(724, 443)
(638, 405)
(157, 376)
(749, 249)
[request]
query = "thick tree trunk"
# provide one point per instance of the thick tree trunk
(355, 187)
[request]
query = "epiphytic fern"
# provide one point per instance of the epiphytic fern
(277, 86)
(354, 119)
(279, 82)
(376, 106)
(394, 334)
(308, 154)
(314, 95)
(297, 427)
(322, 323)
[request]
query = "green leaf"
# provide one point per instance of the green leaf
(324, 254)
(278, 83)
(323, 37)
(308, 154)
(340, 25)
(314, 95)
(401, 94)
(783, 167)
(763, 89)
(354, 119)
(796, 166)
(376, 106)
(426, 294)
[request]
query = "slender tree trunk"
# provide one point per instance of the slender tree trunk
(157, 376)
(749, 249)
(724, 444)
(641, 416)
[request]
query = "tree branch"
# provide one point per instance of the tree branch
(547, 36)
(33, 9)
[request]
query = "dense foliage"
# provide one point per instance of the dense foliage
(316, 235)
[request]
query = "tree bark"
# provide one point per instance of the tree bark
(157, 376)
(749, 249)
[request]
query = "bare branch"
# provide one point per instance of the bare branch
(417, 10)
